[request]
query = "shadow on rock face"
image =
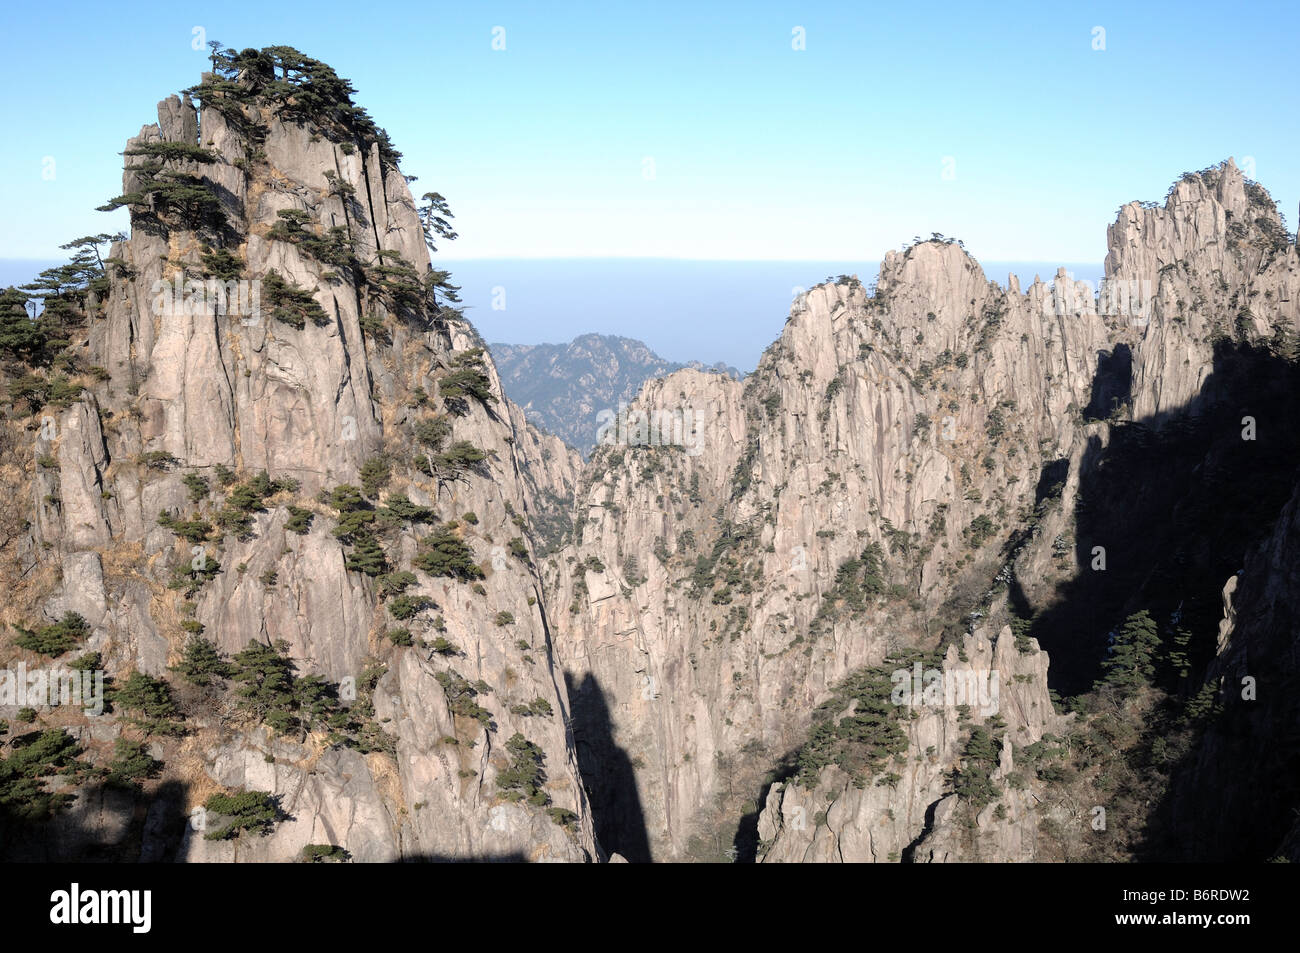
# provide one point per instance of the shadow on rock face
(607, 774)
(1173, 506)
(103, 824)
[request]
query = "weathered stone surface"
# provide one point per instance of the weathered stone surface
(190, 390)
(916, 816)
(83, 588)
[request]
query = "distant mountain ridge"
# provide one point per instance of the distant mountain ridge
(563, 387)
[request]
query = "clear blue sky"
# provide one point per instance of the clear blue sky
(760, 151)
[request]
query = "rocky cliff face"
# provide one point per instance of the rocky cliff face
(903, 468)
(348, 359)
(916, 816)
(1219, 264)
(817, 615)
(895, 421)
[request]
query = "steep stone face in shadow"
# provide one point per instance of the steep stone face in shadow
(1236, 794)
(609, 775)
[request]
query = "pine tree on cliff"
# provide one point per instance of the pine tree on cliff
(367, 556)
(20, 336)
(1131, 663)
